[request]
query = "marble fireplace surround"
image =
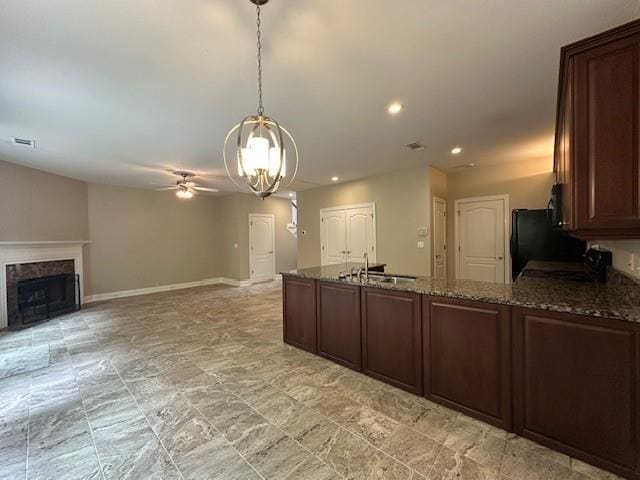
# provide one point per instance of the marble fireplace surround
(12, 253)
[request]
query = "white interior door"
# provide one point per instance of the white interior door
(439, 238)
(261, 247)
(333, 236)
(360, 234)
(481, 240)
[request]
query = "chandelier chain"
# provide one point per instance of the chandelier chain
(259, 45)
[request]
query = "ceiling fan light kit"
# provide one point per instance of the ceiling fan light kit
(254, 153)
(184, 187)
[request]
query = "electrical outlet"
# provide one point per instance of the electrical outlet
(420, 244)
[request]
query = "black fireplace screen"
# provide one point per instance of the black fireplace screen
(47, 297)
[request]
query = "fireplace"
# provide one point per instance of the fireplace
(40, 290)
(46, 297)
(26, 260)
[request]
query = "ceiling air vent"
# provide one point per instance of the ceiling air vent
(415, 146)
(23, 142)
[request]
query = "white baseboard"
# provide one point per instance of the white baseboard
(235, 283)
(165, 288)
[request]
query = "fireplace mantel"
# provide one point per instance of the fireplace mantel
(17, 252)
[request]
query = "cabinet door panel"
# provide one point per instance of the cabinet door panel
(608, 135)
(391, 338)
(299, 305)
(360, 234)
(467, 357)
(339, 324)
(576, 385)
(333, 237)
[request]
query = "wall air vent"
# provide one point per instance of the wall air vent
(23, 142)
(415, 146)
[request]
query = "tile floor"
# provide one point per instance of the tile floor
(196, 384)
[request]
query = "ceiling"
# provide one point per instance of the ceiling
(121, 91)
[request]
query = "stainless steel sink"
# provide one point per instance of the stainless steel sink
(394, 279)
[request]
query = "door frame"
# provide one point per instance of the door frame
(434, 201)
(347, 207)
(273, 242)
(507, 231)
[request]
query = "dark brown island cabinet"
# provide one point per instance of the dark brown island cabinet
(339, 324)
(597, 143)
(569, 382)
(467, 357)
(391, 343)
(299, 312)
(576, 383)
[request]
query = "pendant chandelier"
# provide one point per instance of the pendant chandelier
(259, 154)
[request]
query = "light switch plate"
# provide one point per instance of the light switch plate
(420, 244)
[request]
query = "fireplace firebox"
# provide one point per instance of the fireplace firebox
(46, 297)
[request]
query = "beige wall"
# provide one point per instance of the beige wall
(401, 199)
(142, 238)
(36, 205)
(528, 185)
(41, 206)
(235, 210)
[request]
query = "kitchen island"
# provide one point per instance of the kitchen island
(522, 357)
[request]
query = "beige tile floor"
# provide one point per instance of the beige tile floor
(197, 384)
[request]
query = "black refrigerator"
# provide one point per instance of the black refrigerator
(533, 238)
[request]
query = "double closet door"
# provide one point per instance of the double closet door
(347, 233)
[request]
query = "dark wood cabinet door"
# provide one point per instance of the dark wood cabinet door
(607, 137)
(576, 386)
(467, 357)
(565, 171)
(391, 338)
(299, 309)
(339, 336)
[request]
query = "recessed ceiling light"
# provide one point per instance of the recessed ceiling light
(291, 194)
(395, 108)
(334, 179)
(456, 150)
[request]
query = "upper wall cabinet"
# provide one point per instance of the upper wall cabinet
(597, 151)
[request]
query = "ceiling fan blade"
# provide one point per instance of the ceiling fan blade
(205, 189)
(165, 188)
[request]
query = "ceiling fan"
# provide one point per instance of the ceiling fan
(184, 187)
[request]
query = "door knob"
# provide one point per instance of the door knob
(270, 251)
(498, 258)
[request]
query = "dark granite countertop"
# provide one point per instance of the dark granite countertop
(611, 300)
